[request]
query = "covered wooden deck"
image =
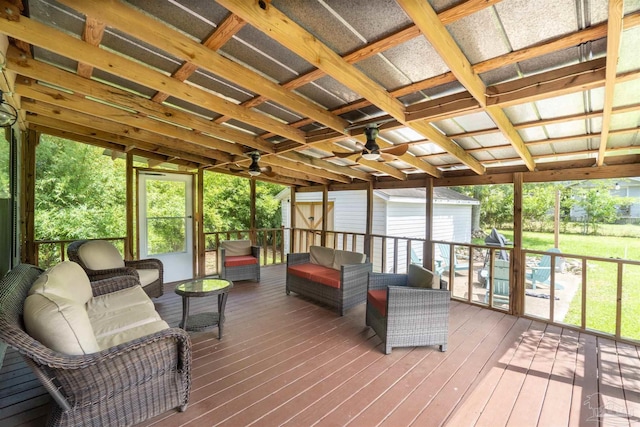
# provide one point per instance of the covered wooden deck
(286, 361)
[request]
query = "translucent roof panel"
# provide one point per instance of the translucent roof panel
(417, 59)
(521, 113)
(559, 106)
(627, 93)
(630, 120)
(533, 134)
(628, 57)
(475, 121)
(478, 40)
(572, 128)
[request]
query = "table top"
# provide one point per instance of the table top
(203, 287)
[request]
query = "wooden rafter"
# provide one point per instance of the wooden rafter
(614, 35)
(92, 34)
(231, 25)
(427, 20)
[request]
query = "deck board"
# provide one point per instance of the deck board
(284, 360)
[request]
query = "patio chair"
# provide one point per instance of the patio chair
(407, 310)
(445, 264)
(500, 282)
(100, 259)
(239, 260)
(541, 272)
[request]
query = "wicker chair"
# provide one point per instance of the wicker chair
(405, 315)
(119, 386)
(239, 260)
(102, 260)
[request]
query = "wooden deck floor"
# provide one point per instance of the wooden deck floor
(286, 361)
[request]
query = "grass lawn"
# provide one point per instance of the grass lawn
(601, 276)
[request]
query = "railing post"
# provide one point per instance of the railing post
(516, 301)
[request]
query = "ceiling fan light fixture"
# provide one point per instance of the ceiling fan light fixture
(373, 155)
(8, 114)
(254, 167)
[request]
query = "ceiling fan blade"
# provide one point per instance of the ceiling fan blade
(386, 157)
(397, 150)
(268, 171)
(343, 155)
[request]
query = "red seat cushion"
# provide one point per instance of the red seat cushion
(378, 299)
(305, 270)
(328, 276)
(237, 261)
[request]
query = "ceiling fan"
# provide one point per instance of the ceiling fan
(371, 150)
(254, 168)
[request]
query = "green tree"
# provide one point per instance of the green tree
(598, 204)
(537, 206)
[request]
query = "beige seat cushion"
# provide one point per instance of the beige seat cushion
(236, 247)
(100, 255)
(60, 324)
(420, 277)
(116, 301)
(112, 322)
(148, 275)
(321, 256)
(131, 334)
(346, 257)
(66, 280)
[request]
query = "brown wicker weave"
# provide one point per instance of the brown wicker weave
(353, 284)
(153, 289)
(241, 272)
(120, 386)
(415, 316)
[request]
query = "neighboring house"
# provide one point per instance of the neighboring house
(624, 187)
(396, 212)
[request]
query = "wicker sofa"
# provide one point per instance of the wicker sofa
(407, 310)
(100, 259)
(239, 260)
(332, 277)
(125, 367)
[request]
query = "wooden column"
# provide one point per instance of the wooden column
(252, 214)
(28, 253)
(198, 220)
(325, 212)
(292, 217)
(427, 250)
(369, 224)
(130, 198)
(517, 275)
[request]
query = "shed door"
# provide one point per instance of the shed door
(309, 216)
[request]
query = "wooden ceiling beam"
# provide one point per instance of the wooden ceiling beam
(87, 120)
(299, 166)
(104, 112)
(276, 25)
(325, 165)
(93, 33)
(111, 141)
(227, 28)
(111, 95)
(143, 27)
(614, 36)
(41, 35)
(427, 20)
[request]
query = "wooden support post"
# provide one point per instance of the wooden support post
(198, 226)
(130, 198)
(325, 212)
(28, 247)
(427, 249)
(369, 224)
(252, 214)
(517, 275)
(292, 216)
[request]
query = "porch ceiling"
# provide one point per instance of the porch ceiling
(473, 86)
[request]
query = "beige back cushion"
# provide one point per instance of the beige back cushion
(346, 257)
(420, 277)
(321, 256)
(236, 247)
(65, 280)
(100, 255)
(60, 324)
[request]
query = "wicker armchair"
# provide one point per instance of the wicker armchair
(119, 386)
(405, 315)
(239, 260)
(101, 260)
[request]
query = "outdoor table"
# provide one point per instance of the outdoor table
(202, 288)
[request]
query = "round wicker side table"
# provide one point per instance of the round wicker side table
(202, 288)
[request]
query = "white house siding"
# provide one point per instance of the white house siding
(404, 220)
(452, 222)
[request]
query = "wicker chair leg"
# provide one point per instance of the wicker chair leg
(183, 407)
(387, 348)
(443, 348)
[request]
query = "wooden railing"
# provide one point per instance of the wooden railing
(593, 294)
(51, 252)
